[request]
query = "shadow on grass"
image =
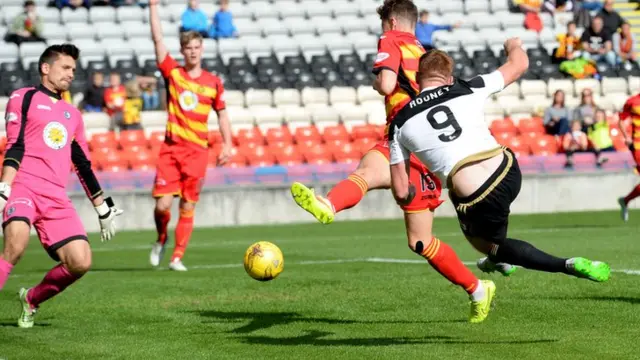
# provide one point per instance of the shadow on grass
(265, 320)
(14, 323)
(627, 299)
(124, 269)
(317, 338)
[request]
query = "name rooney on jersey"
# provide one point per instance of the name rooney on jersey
(425, 97)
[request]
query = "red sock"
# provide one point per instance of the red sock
(348, 192)
(56, 280)
(5, 270)
(183, 233)
(162, 222)
(633, 194)
(442, 258)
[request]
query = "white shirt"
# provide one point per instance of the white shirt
(445, 124)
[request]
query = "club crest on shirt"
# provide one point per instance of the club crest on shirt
(11, 210)
(188, 100)
(11, 116)
(67, 115)
(55, 135)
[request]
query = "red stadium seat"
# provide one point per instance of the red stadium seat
(261, 156)
(504, 138)
(103, 140)
(113, 161)
(3, 144)
(130, 138)
(142, 160)
(317, 155)
(305, 133)
(534, 125)
(346, 153)
(335, 132)
(280, 134)
(215, 137)
(156, 138)
(502, 125)
(545, 145)
(530, 137)
(518, 146)
(250, 136)
(288, 155)
(237, 159)
(364, 145)
(365, 131)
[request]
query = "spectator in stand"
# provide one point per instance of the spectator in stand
(597, 43)
(556, 117)
(531, 10)
(624, 45)
(94, 95)
(223, 26)
(590, 5)
(26, 27)
(558, 6)
(114, 97)
(74, 4)
(149, 88)
(129, 118)
(587, 109)
(425, 30)
(612, 21)
(194, 19)
(600, 136)
(568, 44)
(574, 141)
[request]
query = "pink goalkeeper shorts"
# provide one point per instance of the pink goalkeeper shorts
(53, 216)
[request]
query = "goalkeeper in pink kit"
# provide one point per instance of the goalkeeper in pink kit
(45, 137)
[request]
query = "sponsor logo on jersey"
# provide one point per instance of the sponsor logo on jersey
(24, 201)
(11, 116)
(43, 107)
(382, 57)
(188, 100)
(55, 135)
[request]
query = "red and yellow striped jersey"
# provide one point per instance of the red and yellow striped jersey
(399, 52)
(632, 109)
(189, 102)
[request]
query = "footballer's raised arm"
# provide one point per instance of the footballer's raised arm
(82, 165)
(156, 31)
(16, 121)
(517, 61)
(386, 66)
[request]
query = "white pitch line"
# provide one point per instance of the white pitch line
(324, 262)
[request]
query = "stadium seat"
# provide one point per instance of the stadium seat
(365, 131)
(305, 133)
(518, 146)
(531, 125)
(279, 134)
(317, 155)
(156, 138)
(249, 137)
(503, 125)
(544, 145)
(336, 132)
(363, 145)
(132, 138)
(288, 155)
(345, 152)
(103, 140)
(260, 156)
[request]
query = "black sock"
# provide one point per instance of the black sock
(518, 252)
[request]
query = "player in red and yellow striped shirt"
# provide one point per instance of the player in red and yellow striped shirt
(631, 109)
(192, 92)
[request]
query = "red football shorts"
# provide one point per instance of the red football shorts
(180, 172)
(428, 187)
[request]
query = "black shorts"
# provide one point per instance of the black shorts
(485, 213)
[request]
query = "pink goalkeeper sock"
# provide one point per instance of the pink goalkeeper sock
(5, 270)
(56, 280)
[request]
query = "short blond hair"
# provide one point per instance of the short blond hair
(132, 89)
(187, 36)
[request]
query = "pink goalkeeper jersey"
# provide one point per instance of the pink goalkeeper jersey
(45, 136)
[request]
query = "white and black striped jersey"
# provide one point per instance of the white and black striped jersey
(445, 124)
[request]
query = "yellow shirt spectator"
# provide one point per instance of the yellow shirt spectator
(131, 111)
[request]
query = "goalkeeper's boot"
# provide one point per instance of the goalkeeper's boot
(315, 205)
(488, 266)
(624, 210)
(587, 269)
(177, 265)
(480, 308)
(157, 252)
(28, 312)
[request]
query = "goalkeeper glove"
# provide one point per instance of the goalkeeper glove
(107, 213)
(5, 192)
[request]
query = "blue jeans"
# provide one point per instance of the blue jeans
(92, 108)
(151, 101)
(592, 5)
(609, 57)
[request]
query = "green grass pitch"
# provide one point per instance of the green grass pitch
(333, 301)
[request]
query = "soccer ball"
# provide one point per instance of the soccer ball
(263, 261)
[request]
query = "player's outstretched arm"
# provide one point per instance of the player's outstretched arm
(517, 61)
(105, 207)
(385, 82)
(156, 31)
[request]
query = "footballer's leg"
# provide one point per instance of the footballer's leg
(193, 168)
(18, 216)
(418, 218)
(64, 238)
(372, 173)
(624, 201)
(166, 186)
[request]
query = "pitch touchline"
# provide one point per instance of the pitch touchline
(319, 262)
